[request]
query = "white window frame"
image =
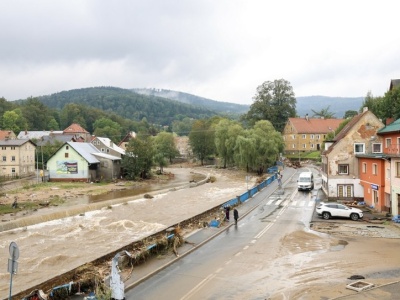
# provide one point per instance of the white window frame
(364, 167)
(303, 136)
(355, 148)
(346, 172)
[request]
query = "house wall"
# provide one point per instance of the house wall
(109, 170)
(68, 165)
(395, 186)
(372, 179)
(343, 153)
(17, 160)
(297, 142)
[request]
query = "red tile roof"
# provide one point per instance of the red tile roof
(6, 134)
(75, 128)
(310, 125)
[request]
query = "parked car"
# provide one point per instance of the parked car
(328, 210)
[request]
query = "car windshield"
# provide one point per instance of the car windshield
(304, 179)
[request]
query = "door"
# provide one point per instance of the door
(345, 190)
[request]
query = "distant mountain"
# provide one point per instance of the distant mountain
(305, 105)
(217, 106)
(128, 104)
(337, 105)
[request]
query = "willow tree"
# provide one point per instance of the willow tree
(201, 139)
(226, 133)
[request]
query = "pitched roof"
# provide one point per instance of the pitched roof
(349, 125)
(108, 156)
(51, 139)
(4, 134)
(86, 150)
(75, 128)
(110, 144)
(314, 125)
(15, 142)
(127, 137)
(392, 127)
(36, 134)
(394, 83)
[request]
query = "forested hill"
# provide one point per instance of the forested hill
(218, 106)
(128, 104)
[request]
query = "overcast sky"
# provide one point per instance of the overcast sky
(218, 49)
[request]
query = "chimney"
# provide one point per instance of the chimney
(389, 121)
(365, 109)
(307, 117)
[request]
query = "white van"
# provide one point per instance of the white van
(305, 181)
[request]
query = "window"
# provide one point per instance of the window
(311, 136)
(359, 148)
(317, 136)
(398, 169)
(103, 150)
(12, 148)
(3, 148)
(303, 136)
(377, 148)
(293, 137)
(13, 170)
(374, 169)
(388, 143)
(364, 168)
(12, 158)
(304, 146)
(312, 146)
(4, 158)
(344, 169)
(66, 155)
(108, 150)
(66, 147)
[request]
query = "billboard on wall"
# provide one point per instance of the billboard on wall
(67, 167)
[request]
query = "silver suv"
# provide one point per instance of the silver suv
(332, 209)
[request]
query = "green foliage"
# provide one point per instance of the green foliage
(164, 147)
(109, 128)
(201, 139)
(275, 102)
(139, 157)
(349, 114)
(182, 127)
(126, 104)
(14, 120)
(226, 133)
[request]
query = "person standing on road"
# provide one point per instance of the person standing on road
(227, 210)
(235, 215)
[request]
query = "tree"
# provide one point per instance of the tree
(36, 114)
(105, 127)
(13, 120)
(324, 113)
(138, 159)
(245, 151)
(201, 139)
(274, 101)
(226, 133)
(350, 114)
(164, 148)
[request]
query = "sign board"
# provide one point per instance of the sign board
(374, 187)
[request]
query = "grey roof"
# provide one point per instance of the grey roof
(52, 138)
(15, 142)
(394, 83)
(36, 134)
(86, 150)
(110, 144)
(108, 156)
